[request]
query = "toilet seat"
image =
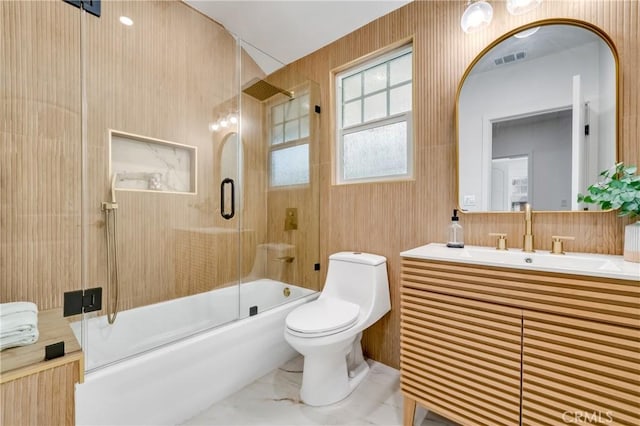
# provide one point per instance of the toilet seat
(322, 317)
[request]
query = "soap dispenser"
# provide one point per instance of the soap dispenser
(455, 233)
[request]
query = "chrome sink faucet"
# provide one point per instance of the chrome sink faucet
(527, 239)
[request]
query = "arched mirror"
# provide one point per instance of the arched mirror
(231, 164)
(537, 118)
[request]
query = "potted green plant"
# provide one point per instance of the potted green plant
(620, 190)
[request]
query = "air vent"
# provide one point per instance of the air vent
(511, 57)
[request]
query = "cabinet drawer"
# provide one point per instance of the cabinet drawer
(574, 367)
(461, 358)
(592, 298)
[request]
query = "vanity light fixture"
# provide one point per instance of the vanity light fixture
(518, 7)
(223, 122)
(476, 16)
(125, 20)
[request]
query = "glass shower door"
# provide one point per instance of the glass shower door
(280, 215)
(162, 235)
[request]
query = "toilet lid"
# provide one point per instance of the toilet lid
(323, 316)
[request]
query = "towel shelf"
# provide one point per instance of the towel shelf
(25, 377)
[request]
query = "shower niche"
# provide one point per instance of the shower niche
(140, 163)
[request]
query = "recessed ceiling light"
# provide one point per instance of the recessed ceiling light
(125, 20)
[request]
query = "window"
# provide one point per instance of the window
(373, 111)
(289, 142)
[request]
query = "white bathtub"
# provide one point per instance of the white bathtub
(170, 381)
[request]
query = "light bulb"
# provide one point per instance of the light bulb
(224, 123)
(527, 33)
(125, 20)
(233, 119)
(477, 16)
(518, 7)
(214, 127)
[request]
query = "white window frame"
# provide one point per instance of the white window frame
(406, 116)
(288, 144)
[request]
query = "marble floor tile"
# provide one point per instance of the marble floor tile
(273, 400)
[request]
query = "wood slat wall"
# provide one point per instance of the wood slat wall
(39, 151)
(166, 77)
(155, 79)
(39, 171)
(387, 218)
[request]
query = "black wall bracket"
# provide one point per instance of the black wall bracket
(53, 351)
(91, 6)
(79, 301)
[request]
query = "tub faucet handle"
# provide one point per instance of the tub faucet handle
(501, 242)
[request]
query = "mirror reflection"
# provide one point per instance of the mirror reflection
(537, 120)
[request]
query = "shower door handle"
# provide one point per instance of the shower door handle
(226, 181)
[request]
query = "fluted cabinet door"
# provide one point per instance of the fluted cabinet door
(460, 357)
(579, 371)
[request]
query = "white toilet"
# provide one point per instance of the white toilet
(328, 330)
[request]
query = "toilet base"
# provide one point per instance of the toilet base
(327, 377)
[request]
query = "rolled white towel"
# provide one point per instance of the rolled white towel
(15, 307)
(18, 323)
(19, 339)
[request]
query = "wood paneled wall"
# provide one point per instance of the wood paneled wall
(387, 218)
(167, 77)
(39, 151)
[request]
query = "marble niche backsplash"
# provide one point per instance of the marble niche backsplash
(151, 165)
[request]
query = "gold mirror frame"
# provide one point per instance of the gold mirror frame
(552, 21)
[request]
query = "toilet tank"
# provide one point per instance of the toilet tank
(359, 278)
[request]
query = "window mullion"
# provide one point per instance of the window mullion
(362, 97)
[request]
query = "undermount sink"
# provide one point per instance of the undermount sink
(608, 266)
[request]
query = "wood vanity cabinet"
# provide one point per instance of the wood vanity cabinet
(502, 346)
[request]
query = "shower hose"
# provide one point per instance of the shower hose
(111, 230)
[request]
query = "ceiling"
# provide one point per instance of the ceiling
(548, 40)
(280, 32)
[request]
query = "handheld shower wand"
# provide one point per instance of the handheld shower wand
(111, 233)
(113, 204)
(113, 188)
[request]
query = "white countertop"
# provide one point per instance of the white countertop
(598, 265)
